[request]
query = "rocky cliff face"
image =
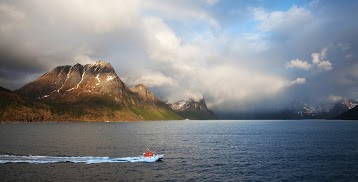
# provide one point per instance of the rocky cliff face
(68, 83)
(143, 92)
(193, 109)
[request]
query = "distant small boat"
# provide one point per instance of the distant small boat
(187, 119)
(150, 157)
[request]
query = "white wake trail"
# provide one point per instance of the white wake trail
(63, 159)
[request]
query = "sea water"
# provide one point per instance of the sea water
(305, 150)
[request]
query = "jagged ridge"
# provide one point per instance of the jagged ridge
(65, 83)
(301, 110)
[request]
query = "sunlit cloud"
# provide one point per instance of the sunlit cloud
(299, 81)
(293, 18)
(184, 49)
(296, 63)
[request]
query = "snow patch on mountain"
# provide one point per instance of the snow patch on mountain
(109, 78)
(322, 110)
(98, 80)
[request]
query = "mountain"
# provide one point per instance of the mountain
(302, 110)
(2, 89)
(297, 109)
(74, 83)
(17, 108)
(91, 92)
(351, 114)
(328, 110)
(143, 92)
(342, 106)
(193, 109)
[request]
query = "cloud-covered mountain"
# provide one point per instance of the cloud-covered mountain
(327, 110)
(298, 109)
(193, 109)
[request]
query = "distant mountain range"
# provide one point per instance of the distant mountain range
(302, 110)
(91, 92)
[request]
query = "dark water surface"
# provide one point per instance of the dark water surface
(194, 150)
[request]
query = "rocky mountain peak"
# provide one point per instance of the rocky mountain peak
(102, 65)
(189, 104)
(69, 82)
(342, 106)
(144, 92)
(349, 103)
(193, 109)
(101, 62)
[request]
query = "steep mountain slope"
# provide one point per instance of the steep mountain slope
(342, 106)
(143, 92)
(2, 89)
(351, 114)
(91, 92)
(16, 108)
(150, 99)
(192, 109)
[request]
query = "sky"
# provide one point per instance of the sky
(237, 54)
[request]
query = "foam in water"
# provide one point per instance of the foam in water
(53, 159)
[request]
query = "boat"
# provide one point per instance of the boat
(150, 157)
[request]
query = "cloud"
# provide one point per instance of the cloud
(315, 58)
(9, 15)
(183, 11)
(189, 48)
(231, 87)
(212, 2)
(335, 98)
(293, 18)
(296, 63)
(154, 79)
(299, 81)
(37, 36)
(349, 56)
(320, 60)
(325, 66)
